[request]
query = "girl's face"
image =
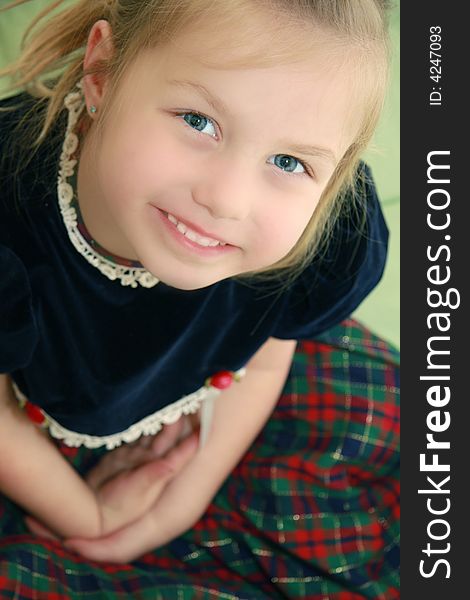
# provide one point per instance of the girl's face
(204, 173)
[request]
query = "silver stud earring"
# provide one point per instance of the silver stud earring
(93, 109)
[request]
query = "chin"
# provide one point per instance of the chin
(179, 281)
(187, 286)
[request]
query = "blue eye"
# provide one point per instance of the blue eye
(200, 123)
(287, 163)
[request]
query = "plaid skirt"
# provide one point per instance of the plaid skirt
(311, 511)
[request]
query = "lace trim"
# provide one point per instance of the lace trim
(132, 276)
(150, 425)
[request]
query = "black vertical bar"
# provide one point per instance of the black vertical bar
(435, 260)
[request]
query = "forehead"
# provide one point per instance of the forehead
(264, 63)
(256, 38)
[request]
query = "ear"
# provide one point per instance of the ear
(99, 48)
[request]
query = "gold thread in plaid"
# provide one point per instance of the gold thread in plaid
(332, 446)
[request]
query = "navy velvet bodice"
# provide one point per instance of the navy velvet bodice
(98, 356)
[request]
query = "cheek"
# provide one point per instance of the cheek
(134, 166)
(283, 226)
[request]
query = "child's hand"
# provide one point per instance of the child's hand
(146, 449)
(39, 529)
(122, 546)
(127, 496)
(152, 529)
(128, 480)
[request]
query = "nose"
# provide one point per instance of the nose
(226, 189)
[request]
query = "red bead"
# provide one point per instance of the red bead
(221, 380)
(34, 413)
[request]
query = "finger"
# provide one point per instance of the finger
(121, 459)
(131, 455)
(168, 437)
(153, 474)
(39, 529)
(145, 449)
(195, 420)
(119, 547)
(143, 483)
(101, 550)
(182, 453)
(150, 446)
(147, 481)
(101, 472)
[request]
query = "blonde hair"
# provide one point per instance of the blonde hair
(60, 41)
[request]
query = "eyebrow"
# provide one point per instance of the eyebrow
(211, 99)
(219, 105)
(315, 151)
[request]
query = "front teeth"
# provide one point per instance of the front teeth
(192, 235)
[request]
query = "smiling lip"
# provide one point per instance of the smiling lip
(199, 230)
(195, 228)
(205, 252)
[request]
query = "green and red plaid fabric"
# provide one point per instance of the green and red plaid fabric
(311, 511)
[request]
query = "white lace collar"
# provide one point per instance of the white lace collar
(132, 276)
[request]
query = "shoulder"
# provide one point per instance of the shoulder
(14, 112)
(21, 120)
(338, 279)
(13, 136)
(18, 334)
(26, 169)
(359, 240)
(19, 196)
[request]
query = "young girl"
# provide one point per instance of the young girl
(191, 206)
